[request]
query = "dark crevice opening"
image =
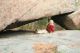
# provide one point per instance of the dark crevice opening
(59, 19)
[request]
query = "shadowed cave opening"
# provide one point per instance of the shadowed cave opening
(60, 20)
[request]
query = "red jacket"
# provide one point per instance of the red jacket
(50, 28)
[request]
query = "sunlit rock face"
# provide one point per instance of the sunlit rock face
(23, 10)
(77, 4)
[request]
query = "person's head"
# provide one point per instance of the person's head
(51, 22)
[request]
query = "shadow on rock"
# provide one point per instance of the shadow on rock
(10, 33)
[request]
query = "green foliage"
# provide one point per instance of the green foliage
(40, 24)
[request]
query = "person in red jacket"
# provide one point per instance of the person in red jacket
(50, 26)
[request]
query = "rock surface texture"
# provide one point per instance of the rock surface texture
(73, 20)
(44, 48)
(12, 11)
(23, 42)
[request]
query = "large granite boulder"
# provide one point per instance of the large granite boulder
(12, 11)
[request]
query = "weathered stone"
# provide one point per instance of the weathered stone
(68, 21)
(12, 11)
(63, 20)
(71, 21)
(67, 41)
(77, 4)
(75, 17)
